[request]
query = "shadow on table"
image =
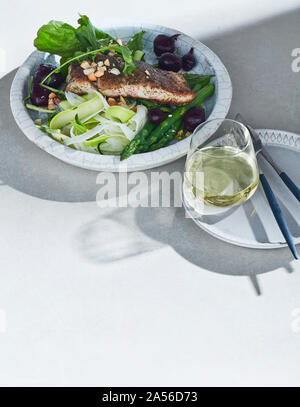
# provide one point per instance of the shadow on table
(122, 233)
(26, 168)
(257, 58)
(203, 250)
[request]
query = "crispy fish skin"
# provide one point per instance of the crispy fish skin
(146, 82)
(77, 81)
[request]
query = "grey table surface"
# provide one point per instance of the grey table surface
(105, 289)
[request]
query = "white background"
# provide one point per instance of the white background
(156, 317)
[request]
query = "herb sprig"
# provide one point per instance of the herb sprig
(73, 44)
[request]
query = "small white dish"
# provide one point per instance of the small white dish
(252, 224)
(216, 107)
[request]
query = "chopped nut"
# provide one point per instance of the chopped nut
(179, 135)
(106, 62)
(51, 104)
(94, 64)
(52, 95)
(119, 41)
(100, 63)
(92, 77)
(111, 52)
(85, 65)
(88, 71)
(100, 72)
(112, 102)
(38, 122)
(115, 71)
(122, 101)
(134, 109)
(147, 72)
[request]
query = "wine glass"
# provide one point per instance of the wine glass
(221, 169)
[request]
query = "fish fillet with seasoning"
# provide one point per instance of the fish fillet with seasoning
(146, 82)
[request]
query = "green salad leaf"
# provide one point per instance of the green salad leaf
(136, 42)
(101, 35)
(86, 33)
(58, 38)
(68, 42)
(128, 59)
(84, 21)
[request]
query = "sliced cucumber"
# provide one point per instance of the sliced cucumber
(65, 105)
(84, 110)
(88, 96)
(113, 145)
(66, 129)
(120, 113)
(56, 134)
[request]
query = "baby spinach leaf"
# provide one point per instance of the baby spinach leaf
(86, 33)
(64, 40)
(58, 38)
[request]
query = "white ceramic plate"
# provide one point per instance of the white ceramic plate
(216, 107)
(253, 224)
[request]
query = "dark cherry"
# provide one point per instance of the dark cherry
(193, 117)
(156, 115)
(39, 95)
(164, 43)
(44, 70)
(188, 60)
(169, 62)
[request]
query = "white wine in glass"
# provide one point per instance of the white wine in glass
(221, 171)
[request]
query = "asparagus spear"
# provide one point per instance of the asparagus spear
(179, 133)
(139, 138)
(159, 131)
(137, 144)
(149, 103)
(194, 78)
(168, 136)
(201, 84)
(139, 148)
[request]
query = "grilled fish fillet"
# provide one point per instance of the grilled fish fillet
(146, 82)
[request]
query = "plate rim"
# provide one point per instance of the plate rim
(112, 163)
(262, 246)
